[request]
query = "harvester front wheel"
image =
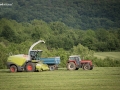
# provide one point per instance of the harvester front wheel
(30, 67)
(13, 68)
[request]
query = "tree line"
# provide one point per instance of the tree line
(61, 40)
(80, 14)
(58, 35)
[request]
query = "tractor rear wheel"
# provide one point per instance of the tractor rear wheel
(30, 67)
(13, 68)
(86, 66)
(71, 66)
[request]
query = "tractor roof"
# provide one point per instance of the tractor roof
(74, 56)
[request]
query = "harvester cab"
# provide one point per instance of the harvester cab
(35, 54)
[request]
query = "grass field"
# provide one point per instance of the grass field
(100, 78)
(102, 55)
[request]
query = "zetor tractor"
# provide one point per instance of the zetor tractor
(29, 63)
(75, 62)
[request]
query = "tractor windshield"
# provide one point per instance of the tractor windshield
(75, 58)
(71, 58)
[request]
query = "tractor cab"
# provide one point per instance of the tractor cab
(35, 54)
(75, 62)
(76, 59)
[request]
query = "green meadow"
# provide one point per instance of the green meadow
(113, 55)
(100, 78)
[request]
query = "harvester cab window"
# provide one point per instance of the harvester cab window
(34, 55)
(38, 54)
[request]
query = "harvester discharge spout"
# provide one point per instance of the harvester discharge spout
(35, 45)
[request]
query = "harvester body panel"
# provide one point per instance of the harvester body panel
(17, 59)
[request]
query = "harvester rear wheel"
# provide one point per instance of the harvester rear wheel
(71, 66)
(13, 68)
(30, 67)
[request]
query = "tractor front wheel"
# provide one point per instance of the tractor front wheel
(30, 67)
(86, 67)
(13, 68)
(71, 66)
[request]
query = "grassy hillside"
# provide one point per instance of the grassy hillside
(96, 79)
(113, 55)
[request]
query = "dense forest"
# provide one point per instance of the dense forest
(80, 14)
(68, 27)
(58, 35)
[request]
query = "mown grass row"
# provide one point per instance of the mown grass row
(100, 78)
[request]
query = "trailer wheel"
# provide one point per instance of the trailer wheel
(52, 68)
(71, 66)
(30, 67)
(86, 67)
(13, 68)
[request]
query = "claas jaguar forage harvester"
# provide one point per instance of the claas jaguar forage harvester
(32, 62)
